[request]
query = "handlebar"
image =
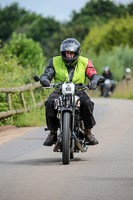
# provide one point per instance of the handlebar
(53, 85)
(78, 86)
(58, 85)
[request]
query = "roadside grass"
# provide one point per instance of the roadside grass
(93, 93)
(124, 90)
(36, 117)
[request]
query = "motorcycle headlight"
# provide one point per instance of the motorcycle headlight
(68, 89)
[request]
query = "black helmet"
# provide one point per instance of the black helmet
(70, 44)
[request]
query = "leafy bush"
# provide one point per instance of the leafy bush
(28, 52)
(11, 71)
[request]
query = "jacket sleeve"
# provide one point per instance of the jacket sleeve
(49, 71)
(90, 69)
(111, 76)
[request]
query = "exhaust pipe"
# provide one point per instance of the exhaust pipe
(82, 149)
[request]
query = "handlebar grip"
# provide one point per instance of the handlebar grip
(101, 79)
(36, 78)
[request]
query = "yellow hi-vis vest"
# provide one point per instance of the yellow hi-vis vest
(61, 71)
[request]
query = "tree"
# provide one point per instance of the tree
(95, 12)
(130, 8)
(43, 30)
(9, 18)
(117, 32)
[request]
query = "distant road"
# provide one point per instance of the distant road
(29, 171)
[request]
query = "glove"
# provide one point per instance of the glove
(94, 81)
(44, 81)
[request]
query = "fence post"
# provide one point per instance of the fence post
(8, 97)
(32, 95)
(9, 101)
(23, 100)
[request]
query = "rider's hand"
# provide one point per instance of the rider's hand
(93, 84)
(94, 81)
(44, 81)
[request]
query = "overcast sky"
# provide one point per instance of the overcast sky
(59, 9)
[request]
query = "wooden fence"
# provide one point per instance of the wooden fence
(20, 90)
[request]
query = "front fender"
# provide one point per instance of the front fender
(66, 109)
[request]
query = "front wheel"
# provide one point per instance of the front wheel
(106, 91)
(66, 134)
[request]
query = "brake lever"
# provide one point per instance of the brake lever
(84, 87)
(47, 87)
(88, 86)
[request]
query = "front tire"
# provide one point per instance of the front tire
(106, 90)
(66, 134)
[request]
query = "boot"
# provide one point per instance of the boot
(90, 137)
(51, 138)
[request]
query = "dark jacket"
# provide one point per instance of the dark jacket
(107, 76)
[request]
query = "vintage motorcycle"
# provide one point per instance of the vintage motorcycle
(71, 136)
(107, 87)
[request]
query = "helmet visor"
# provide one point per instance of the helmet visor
(69, 47)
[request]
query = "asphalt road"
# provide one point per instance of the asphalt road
(30, 171)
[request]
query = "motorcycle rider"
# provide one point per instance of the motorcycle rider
(75, 68)
(107, 74)
(127, 75)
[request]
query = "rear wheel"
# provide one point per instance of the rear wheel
(72, 155)
(66, 138)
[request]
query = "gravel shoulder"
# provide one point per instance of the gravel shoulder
(8, 133)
